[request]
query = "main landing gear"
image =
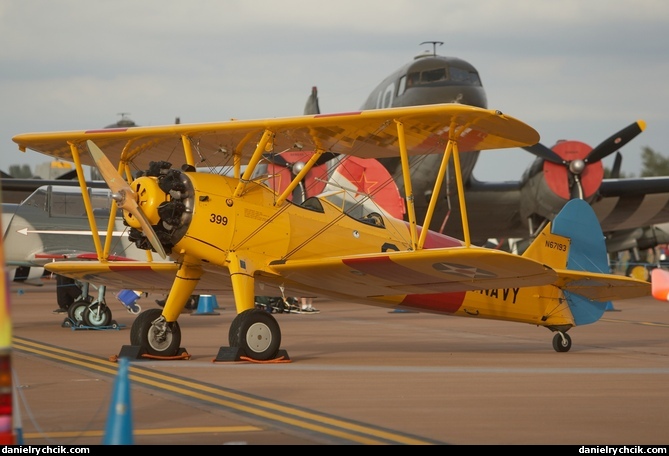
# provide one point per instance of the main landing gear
(87, 311)
(254, 334)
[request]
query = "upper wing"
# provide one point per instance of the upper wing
(365, 134)
(420, 272)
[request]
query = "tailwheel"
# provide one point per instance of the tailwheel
(154, 335)
(561, 342)
(257, 333)
(97, 315)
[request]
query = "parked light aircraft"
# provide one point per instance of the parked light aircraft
(235, 234)
(51, 225)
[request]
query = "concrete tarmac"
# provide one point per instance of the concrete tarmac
(356, 375)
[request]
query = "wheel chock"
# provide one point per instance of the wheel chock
(137, 352)
(236, 354)
(229, 354)
(131, 351)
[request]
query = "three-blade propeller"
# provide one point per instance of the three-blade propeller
(604, 149)
(124, 195)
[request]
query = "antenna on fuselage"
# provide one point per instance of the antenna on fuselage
(434, 45)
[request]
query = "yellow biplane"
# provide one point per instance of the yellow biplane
(232, 233)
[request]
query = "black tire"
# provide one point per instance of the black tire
(234, 330)
(76, 310)
(144, 334)
(256, 333)
(561, 345)
(97, 315)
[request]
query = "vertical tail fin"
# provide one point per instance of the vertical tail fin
(573, 244)
(573, 240)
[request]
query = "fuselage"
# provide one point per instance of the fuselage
(214, 227)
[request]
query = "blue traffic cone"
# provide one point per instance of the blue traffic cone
(119, 418)
(206, 305)
(609, 307)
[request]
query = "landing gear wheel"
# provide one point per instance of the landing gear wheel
(151, 315)
(149, 335)
(76, 311)
(257, 333)
(561, 345)
(97, 315)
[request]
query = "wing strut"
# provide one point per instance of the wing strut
(461, 192)
(296, 181)
(407, 183)
(188, 150)
(257, 155)
(437, 188)
(102, 256)
(451, 149)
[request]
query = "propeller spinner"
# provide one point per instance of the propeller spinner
(124, 195)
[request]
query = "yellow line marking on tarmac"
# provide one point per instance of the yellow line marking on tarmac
(266, 409)
(160, 431)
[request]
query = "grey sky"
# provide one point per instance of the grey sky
(572, 69)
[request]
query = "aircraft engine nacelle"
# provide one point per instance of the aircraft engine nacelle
(638, 238)
(165, 196)
(546, 187)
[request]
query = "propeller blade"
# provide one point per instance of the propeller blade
(544, 152)
(325, 157)
(615, 171)
(276, 159)
(124, 195)
(615, 142)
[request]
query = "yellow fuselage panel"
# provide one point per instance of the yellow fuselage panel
(221, 222)
(253, 227)
(543, 306)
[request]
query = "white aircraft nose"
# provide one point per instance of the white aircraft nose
(20, 241)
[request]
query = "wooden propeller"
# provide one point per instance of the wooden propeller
(124, 195)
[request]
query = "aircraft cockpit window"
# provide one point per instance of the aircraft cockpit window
(101, 203)
(401, 85)
(435, 75)
(313, 204)
(355, 208)
(67, 205)
(37, 199)
(374, 218)
(464, 76)
(413, 79)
